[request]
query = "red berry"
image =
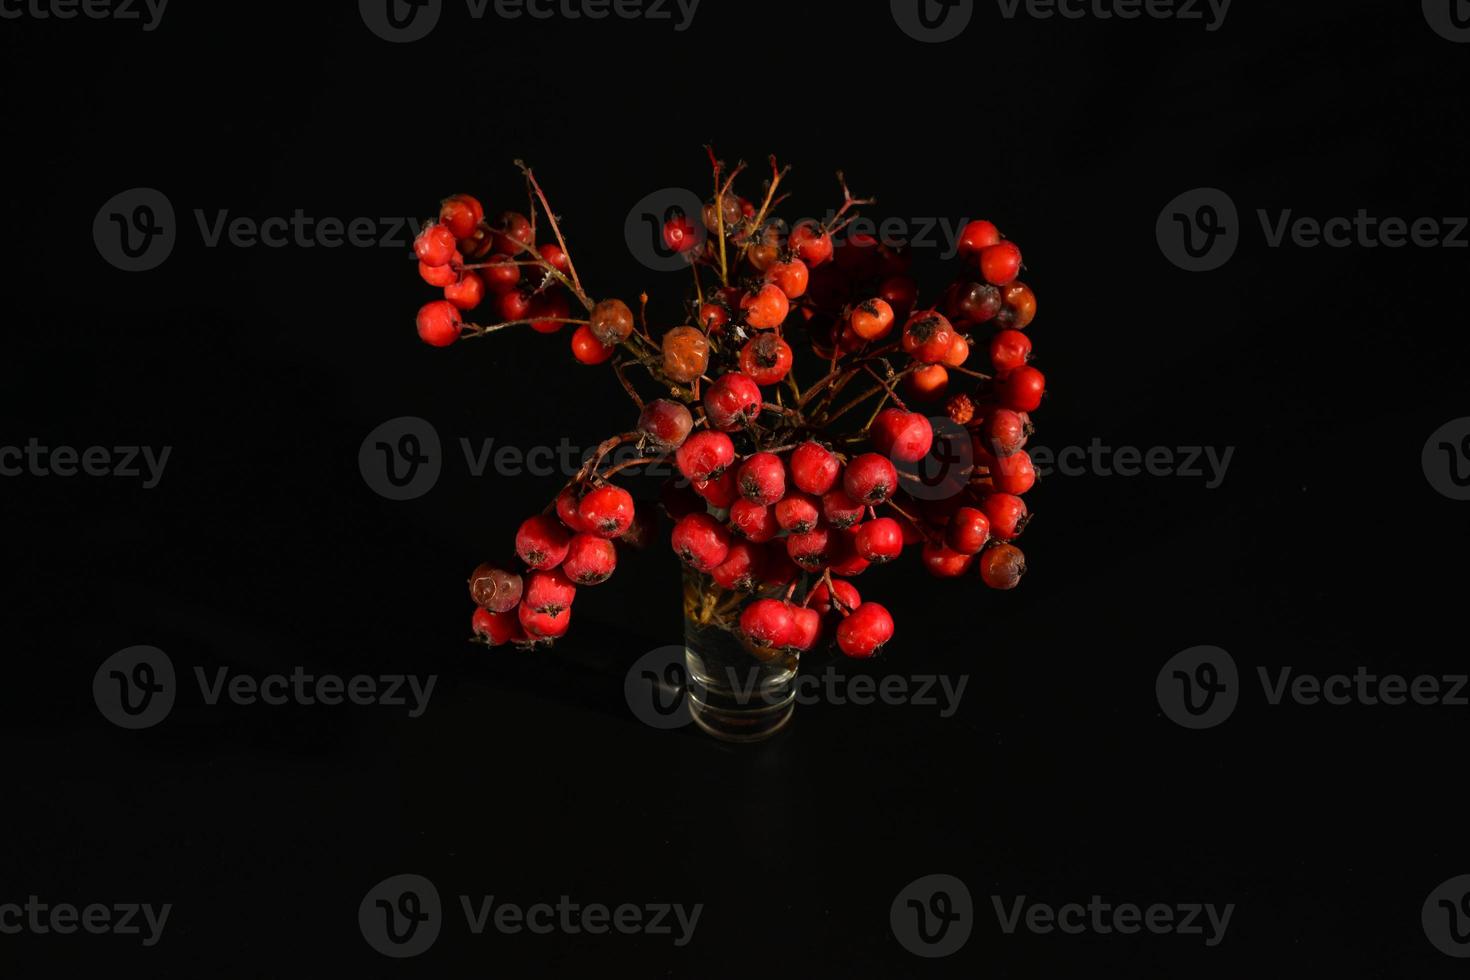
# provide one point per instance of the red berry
(1002, 566)
(1021, 390)
(843, 557)
(968, 532)
(438, 275)
(1009, 350)
(436, 245)
(840, 510)
(549, 592)
(872, 320)
(812, 550)
(439, 323)
(1004, 433)
(515, 305)
(497, 629)
(812, 243)
(713, 316)
(680, 234)
(1019, 309)
(607, 511)
(768, 623)
(722, 491)
(568, 503)
(740, 571)
(1000, 264)
(587, 349)
(1008, 515)
(754, 522)
(863, 634)
(943, 561)
(548, 313)
(542, 542)
(959, 352)
(495, 589)
(1014, 474)
(904, 437)
(555, 257)
(798, 512)
(545, 626)
(928, 383)
(767, 308)
(704, 456)
(879, 540)
(814, 469)
(848, 598)
(466, 292)
(977, 236)
(777, 569)
(701, 542)
(732, 402)
(766, 358)
(928, 337)
(870, 479)
(806, 628)
(666, 423)
(591, 560)
(763, 479)
(791, 277)
(461, 214)
(501, 274)
(513, 233)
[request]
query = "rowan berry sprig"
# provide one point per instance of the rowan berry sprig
(777, 499)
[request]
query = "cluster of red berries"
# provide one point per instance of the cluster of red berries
(781, 501)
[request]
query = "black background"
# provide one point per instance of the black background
(1059, 777)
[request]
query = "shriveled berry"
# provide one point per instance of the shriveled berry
(905, 437)
(870, 479)
(549, 592)
(439, 323)
(495, 588)
(879, 540)
(960, 409)
(611, 322)
(666, 423)
(814, 468)
(686, 354)
(1002, 566)
(754, 522)
(436, 245)
(591, 560)
(732, 402)
(970, 303)
(763, 479)
(542, 542)
(1019, 309)
(798, 512)
(863, 634)
(607, 511)
(968, 531)
(768, 623)
(1004, 432)
(705, 455)
(701, 542)
(928, 337)
(840, 510)
(766, 358)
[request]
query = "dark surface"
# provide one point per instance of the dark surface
(528, 778)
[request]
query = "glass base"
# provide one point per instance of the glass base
(745, 704)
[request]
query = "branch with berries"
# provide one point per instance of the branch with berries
(789, 490)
